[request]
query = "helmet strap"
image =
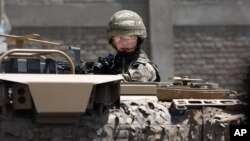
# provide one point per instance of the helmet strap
(139, 42)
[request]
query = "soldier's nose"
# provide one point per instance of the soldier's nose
(125, 42)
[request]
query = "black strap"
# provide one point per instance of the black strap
(158, 77)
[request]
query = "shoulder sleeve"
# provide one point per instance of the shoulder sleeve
(142, 71)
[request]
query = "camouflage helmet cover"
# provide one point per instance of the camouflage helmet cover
(126, 22)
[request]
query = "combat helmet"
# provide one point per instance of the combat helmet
(126, 22)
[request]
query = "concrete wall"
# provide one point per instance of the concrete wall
(69, 12)
(161, 27)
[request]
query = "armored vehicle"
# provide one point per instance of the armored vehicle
(39, 103)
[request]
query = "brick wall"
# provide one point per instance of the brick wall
(214, 54)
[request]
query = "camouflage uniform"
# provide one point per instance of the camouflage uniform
(134, 66)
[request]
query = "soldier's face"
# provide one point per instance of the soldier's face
(125, 43)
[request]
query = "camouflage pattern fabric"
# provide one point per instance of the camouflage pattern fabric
(126, 22)
(140, 71)
(138, 120)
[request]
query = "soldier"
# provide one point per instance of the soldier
(126, 33)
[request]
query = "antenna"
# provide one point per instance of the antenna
(19, 40)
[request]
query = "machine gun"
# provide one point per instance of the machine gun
(85, 67)
(101, 66)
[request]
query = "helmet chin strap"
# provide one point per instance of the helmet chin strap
(124, 53)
